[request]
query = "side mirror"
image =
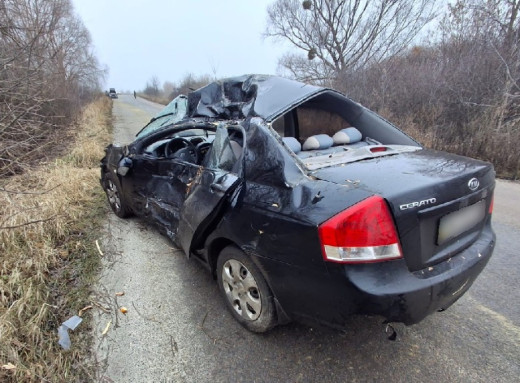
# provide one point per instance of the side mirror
(124, 166)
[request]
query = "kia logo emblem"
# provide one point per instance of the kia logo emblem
(473, 184)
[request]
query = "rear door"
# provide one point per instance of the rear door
(208, 193)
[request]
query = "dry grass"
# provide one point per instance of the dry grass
(158, 99)
(48, 258)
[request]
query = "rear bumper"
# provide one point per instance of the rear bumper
(389, 289)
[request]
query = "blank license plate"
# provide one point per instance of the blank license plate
(453, 224)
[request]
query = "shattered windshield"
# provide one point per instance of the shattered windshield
(172, 113)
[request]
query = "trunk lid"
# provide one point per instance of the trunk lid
(439, 201)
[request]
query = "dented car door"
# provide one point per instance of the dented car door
(160, 186)
(216, 180)
(168, 189)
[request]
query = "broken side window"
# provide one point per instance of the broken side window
(226, 150)
(279, 126)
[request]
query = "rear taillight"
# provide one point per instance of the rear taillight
(364, 232)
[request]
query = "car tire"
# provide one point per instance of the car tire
(245, 290)
(115, 199)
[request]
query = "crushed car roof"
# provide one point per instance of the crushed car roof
(250, 96)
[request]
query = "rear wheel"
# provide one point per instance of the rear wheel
(245, 290)
(114, 197)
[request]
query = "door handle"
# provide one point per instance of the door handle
(218, 187)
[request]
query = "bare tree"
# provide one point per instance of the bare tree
(168, 88)
(344, 35)
(191, 82)
(152, 86)
(47, 70)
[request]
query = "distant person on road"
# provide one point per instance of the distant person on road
(135, 96)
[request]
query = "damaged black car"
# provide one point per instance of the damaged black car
(305, 205)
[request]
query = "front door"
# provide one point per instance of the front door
(159, 187)
(167, 190)
(207, 197)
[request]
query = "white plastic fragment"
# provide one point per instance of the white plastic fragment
(63, 331)
(72, 322)
(64, 340)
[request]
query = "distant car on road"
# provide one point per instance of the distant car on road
(306, 205)
(112, 93)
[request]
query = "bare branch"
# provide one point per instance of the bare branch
(27, 223)
(346, 35)
(26, 192)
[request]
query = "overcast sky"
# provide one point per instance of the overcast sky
(137, 39)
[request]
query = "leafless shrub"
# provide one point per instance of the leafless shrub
(170, 90)
(47, 71)
(189, 83)
(458, 93)
(152, 87)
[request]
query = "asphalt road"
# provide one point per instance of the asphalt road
(177, 328)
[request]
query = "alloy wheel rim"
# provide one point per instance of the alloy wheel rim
(113, 195)
(241, 290)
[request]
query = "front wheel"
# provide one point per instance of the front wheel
(114, 197)
(245, 290)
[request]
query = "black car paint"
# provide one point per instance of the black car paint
(273, 206)
(426, 174)
(249, 96)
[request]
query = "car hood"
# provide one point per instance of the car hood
(250, 96)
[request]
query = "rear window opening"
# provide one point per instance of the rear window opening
(331, 112)
(330, 125)
(310, 121)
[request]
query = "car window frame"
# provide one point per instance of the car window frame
(239, 167)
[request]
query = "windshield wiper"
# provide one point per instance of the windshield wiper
(152, 120)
